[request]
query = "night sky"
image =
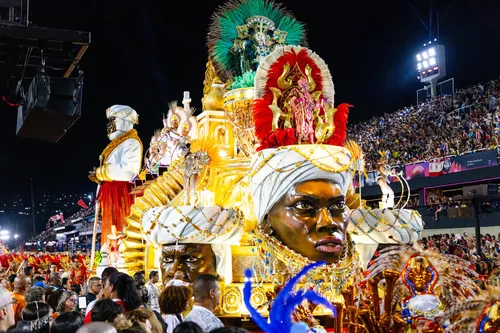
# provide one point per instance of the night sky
(146, 53)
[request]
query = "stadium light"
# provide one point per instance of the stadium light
(16, 236)
(5, 237)
(430, 63)
(4, 232)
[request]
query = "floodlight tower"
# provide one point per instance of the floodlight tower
(431, 64)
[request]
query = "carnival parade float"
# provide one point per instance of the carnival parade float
(262, 179)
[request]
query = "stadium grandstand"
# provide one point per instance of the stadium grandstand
(447, 149)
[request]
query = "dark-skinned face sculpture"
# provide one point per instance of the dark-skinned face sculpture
(186, 261)
(311, 219)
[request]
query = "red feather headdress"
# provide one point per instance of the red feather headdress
(294, 101)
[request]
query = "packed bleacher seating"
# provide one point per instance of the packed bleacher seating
(465, 121)
(487, 263)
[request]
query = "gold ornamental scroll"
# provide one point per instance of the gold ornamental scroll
(238, 109)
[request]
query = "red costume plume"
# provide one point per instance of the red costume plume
(294, 101)
(340, 123)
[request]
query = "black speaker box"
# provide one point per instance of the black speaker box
(50, 108)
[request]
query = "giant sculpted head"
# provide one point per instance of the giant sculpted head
(302, 173)
(304, 209)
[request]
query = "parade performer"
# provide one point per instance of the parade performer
(387, 193)
(120, 162)
(167, 144)
(78, 273)
(371, 228)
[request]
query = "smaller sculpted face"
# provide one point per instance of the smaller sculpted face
(186, 261)
(311, 219)
(111, 126)
(419, 275)
(174, 122)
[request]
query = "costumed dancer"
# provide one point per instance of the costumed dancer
(120, 162)
(387, 193)
(371, 228)
(179, 128)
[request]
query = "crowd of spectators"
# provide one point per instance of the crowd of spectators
(84, 213)
(465, 121)
(56, 302)
(79, 219)
(486, 263)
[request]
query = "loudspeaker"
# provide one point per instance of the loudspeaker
(50, 108)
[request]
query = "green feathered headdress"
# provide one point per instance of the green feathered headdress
(243, 32)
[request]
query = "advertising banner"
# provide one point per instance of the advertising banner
(419, 170)
(438, 167)
(478, 160)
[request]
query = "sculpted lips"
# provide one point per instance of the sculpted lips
(329, 244)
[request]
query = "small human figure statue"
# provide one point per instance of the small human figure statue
(114, 241)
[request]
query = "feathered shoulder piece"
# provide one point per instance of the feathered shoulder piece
(243, 32)
(424, 273)
(479, 314)
(294, 101)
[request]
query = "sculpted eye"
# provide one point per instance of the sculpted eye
(168, 260)
(191, 259)
(338, 205)
(303, 205)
